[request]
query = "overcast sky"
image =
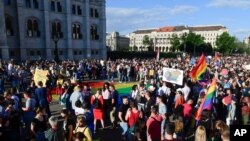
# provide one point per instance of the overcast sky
(125, 16)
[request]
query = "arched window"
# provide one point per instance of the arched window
(76, 28)
(33, 28)
(29, 27)
(94, 33)
(9, 27)
(56, 29)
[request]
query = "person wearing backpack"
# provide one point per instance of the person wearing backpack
(97, 102)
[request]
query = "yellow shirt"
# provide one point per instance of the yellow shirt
(86, 132)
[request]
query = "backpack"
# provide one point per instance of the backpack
(96, 103)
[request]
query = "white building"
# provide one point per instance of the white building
(161, 36)
(247, 40)
(116, 42)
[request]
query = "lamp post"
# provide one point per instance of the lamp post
(56, 38)
(185, 44)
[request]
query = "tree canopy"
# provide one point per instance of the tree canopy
(226, 43)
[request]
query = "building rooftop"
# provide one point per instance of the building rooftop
(206, 28)
(171, 28)
(144, 31)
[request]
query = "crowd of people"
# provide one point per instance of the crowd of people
(154, 110)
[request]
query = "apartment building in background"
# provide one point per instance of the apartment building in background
(160, 37)
(116, 42)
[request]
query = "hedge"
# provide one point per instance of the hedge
(139, 54)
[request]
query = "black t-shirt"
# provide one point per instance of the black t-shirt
(149, 103)
(40, 126)
(123, 108)
(114, 95)
(66, 125)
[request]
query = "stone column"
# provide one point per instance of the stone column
(46, 27)
(86, 30)
(102, 28)
(69, 31)
(3, 38)
(22, 30)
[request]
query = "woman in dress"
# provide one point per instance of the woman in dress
(97, 102)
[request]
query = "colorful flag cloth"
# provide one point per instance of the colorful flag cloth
(199, 72)
(207, 102)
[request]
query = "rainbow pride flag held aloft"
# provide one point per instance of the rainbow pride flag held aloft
(199, 72)
(207, 102)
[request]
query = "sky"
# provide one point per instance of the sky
(126, 16)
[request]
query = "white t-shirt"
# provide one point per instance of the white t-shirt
(79, 111)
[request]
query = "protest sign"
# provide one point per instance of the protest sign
(40, 75)
(173, 76)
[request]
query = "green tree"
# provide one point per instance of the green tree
(195, 40)
(146, 41)
(226, 43)
(175, 42)
(241, 47)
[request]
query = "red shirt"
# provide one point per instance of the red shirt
(133, 118)
(187, 110)
(154, 127)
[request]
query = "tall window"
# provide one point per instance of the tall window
(28, 3)
(36, 4)
(94, 33)
(76, 28)
(79, 10)
(57, 29)
(52, 6)
(59, 6)
(7, 2)
(73, 9)
(9, 28)
(91, 12)
(96, 13)
(33, 28)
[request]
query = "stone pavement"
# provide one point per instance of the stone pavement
(101, 135)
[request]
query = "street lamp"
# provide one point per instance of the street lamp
(56, 37)
(185, 42)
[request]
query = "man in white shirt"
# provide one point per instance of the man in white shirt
(186, 90)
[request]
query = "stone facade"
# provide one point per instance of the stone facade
(115, 42)
(29, 28)
(161, 36)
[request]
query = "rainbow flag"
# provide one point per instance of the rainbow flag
(122, 88)
(199, 72)
(207, 102)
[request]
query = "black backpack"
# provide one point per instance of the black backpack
(96, 103)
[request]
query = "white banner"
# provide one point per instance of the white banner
(173, 75)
